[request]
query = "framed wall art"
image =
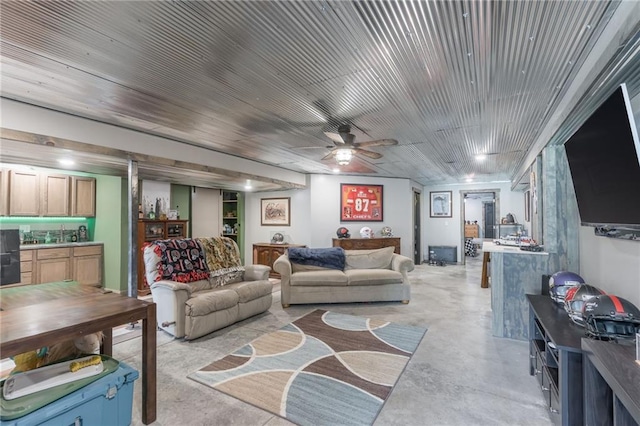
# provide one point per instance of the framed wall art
(360, 203)
(440, 203)
(275, 211)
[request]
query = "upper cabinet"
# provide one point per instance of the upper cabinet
(83, 196)
(37, 193)
(24, 193)
(55, 195)
(4, 192)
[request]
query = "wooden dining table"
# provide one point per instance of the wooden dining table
(25, 328)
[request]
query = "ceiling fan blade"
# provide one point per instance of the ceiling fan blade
(379, 142)
(329, 156)
(370, 154)
(335, 137)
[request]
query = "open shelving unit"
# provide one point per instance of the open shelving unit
(555, 359)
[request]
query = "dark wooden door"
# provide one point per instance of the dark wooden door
(416, 228)
(488, 218)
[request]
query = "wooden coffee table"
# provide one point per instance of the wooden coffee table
(26, 328)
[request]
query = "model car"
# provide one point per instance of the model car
(514, 240)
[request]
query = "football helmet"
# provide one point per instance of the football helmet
(561, 282)
(386, 231)
(609, 317)
(366, 232)
(575, 299)
(343, 232)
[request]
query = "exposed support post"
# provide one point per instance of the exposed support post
(132, 287)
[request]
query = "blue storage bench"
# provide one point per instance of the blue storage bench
(107, 401)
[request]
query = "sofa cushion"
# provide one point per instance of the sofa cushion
(358, 277)
(180, 260)
(369, 259)
(297, 267)
(205, 302)
(327, 277)
(251, 290)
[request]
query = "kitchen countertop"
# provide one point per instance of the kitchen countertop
(59, 245)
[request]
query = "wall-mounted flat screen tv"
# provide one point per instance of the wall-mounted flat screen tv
(604, 159)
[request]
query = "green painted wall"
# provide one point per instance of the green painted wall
(108, 229)
(181, 200)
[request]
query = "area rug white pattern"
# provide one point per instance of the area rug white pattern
(322, 369)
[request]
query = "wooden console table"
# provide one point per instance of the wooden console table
(26, 328)
(266, 254)
(367, 243)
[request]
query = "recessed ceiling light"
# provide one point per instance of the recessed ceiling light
(481, 157)
(336, 170)
(469, 180)
(66, 162)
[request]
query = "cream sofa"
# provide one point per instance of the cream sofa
(368, 276)
(211, 292)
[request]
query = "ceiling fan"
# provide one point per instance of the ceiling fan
(345, 146)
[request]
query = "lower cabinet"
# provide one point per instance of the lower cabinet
(87, 265)
(266, 254)
(83, 264)
(53, 265)
(555, 359)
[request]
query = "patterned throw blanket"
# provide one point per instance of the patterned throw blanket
(332, 257)
(180, 260)
(223, 259)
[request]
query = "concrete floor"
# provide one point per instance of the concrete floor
(459, 375)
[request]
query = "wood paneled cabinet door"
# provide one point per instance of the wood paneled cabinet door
(24, 193)
(83, 196)
(87, 265)
(26, 266)
(4, 192)
(55, 195)
(53, 265)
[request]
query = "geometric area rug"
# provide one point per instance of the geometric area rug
(325, 368)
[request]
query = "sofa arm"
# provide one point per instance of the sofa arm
(256, 272)
(282, 265)
(172, 285)
(402, 264)
(170, 298)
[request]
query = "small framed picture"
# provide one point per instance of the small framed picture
(440, 203)
(275, 211)
(172, 215)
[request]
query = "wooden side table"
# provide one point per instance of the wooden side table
(266, 254)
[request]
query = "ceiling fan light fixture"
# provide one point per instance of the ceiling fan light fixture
(481, 157)
(344, 156)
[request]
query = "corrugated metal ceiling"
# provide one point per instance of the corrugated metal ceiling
(264, 80)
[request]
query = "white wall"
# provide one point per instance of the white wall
(450, 231)
(611, 264)
(315, 212)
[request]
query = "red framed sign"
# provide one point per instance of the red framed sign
(360, 203)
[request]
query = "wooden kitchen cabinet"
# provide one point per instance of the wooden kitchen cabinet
(266, 254)
(367, 243)
(151, 230)
(27, 258)
(53, 264)
(24, 193)
(83, 264)
(55, 194)
(4, 192)
(87, 265)
(83, 196)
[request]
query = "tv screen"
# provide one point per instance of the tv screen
(604, 161)
(9, 256)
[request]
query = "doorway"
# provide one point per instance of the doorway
(479, 207)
